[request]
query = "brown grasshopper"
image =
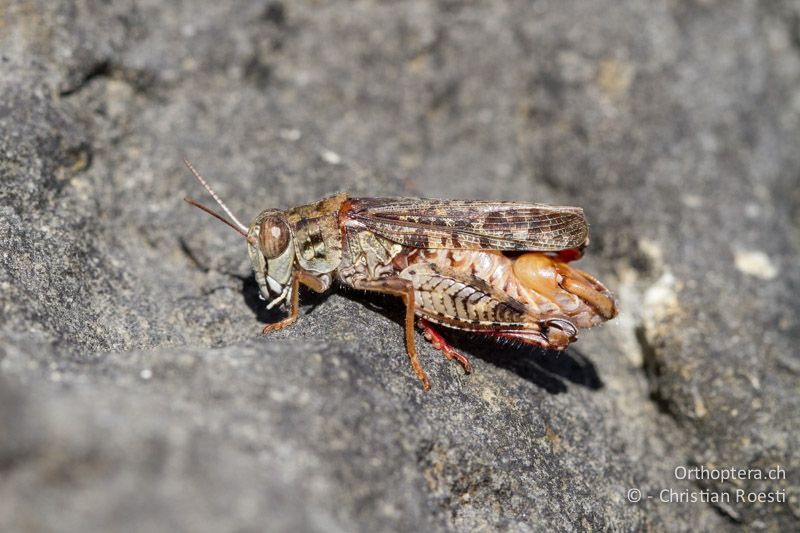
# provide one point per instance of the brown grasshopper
(493, 268)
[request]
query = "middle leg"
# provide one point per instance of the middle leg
(405, 290)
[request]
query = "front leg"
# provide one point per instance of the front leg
(298, 277)
(405, 290)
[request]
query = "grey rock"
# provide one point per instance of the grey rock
(135, 392)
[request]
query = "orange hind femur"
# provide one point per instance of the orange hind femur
(577, 293)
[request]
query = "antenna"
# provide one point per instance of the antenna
(236, 225)
(207, 187)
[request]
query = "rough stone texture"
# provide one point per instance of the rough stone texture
(135, 393)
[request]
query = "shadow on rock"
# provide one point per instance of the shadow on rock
(547, 369)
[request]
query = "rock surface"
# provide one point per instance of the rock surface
(135, 393)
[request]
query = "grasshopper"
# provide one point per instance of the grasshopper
(498, 269)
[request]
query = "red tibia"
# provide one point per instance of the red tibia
(439, 343)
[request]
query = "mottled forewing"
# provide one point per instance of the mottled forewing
(472, 224)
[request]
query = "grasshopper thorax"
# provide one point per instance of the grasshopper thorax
(271, 251)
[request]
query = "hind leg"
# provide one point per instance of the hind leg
(440, 343)
(554, 340)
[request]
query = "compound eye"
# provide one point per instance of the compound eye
(273, 237)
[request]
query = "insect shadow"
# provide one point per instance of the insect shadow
(547, 369)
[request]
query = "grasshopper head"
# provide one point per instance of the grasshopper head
(271, 250)
(269, 245)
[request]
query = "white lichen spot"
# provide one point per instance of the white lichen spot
(614, 77)
(692, 200)
(188, 30)
(331, 157)
(390, 509)
(277, 395)
(700, 410)
(652, 249)
(752, 210)
(660, 303)
(488, 396)
(574, 67)
(291, 134)
(755, 263)
(146, 374)
(708, 142)
(661, 293)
